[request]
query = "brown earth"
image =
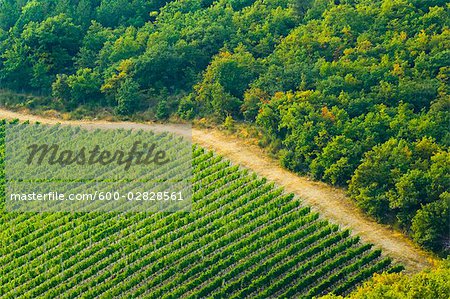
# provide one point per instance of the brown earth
(331, 202)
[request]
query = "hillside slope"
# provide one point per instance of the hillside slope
(331, 202)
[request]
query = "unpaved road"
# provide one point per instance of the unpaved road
(331, 202)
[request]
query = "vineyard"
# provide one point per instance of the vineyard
(63, 158)
(244, 237)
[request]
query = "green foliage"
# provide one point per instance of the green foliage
(229, 123)
(430, 225)
(61, 90)
(111, 13)
(358, 95)
(432, 283)
(162, 111)
(42, 50)
(187, 107)
(337, 161)
(377, 174)
(301, 6)
(80, 88)
(225, 82)
(342, 90)
(127, 97)
(84, 85)
(253, 100)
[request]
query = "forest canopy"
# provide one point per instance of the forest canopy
(351, 92)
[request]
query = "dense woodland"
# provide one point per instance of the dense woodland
(351, 92)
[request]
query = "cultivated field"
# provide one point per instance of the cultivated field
(243, 238)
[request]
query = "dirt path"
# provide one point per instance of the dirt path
(331, 202)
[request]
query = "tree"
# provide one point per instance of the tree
(253, 99)
(217, 101)
(94, 44)
(337, 161)
(56, 39)
(377, 174)
(33, 11)
(430, 226)
(229, 123)
(78, 89)
(41, 80)
(118, 74)
(225, 81)
(301, 6)
(410, 193)
(61, 91)
(17, 66)
(85, 86)
(9, 13)
(42, 50)
(112, 13)
(439, 173)
(187, 109)
(162, 111)
(126, 46)
(84, 13)
(127, 97)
